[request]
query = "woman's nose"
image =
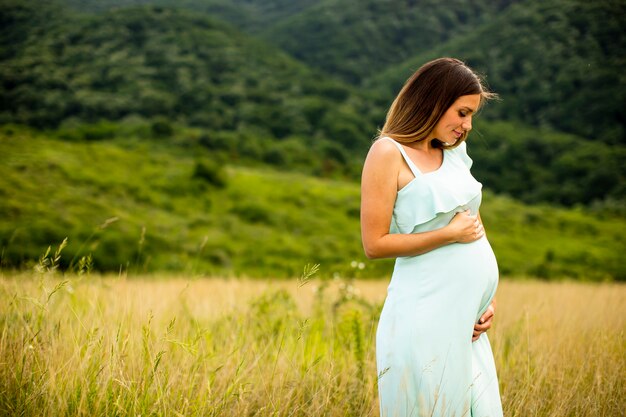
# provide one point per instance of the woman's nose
(467, 125)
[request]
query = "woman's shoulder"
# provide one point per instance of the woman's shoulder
(384, 146)
(383, 153)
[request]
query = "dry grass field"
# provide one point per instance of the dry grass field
(173, 346)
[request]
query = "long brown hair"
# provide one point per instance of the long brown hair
(427, 95)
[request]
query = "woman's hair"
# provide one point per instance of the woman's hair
(427, 95)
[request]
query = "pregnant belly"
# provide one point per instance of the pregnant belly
(459, 275)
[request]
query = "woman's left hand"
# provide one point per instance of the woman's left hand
(485, 321)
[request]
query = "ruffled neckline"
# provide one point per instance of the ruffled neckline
(426, 196)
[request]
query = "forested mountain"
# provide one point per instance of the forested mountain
(539, 165)
(248, 15)
(357, 39)
(554, 63)
(193, 70)
(130, 109)
(103, 68)
(350, 40)
(21, 20)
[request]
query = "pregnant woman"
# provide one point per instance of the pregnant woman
(420, 205)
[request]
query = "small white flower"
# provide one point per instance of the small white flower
(354, 264)
(361, 265)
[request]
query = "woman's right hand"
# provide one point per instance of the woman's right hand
(466, 228)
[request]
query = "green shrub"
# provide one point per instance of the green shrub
(210, 172)
(161, 128)
(253, 213)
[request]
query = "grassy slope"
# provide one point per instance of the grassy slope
(263, 223)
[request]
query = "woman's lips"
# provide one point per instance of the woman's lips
(457, 134)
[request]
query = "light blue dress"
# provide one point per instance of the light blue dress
(427, 362)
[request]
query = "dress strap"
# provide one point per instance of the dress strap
(416, 172)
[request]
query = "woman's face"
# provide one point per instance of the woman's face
(456, 120)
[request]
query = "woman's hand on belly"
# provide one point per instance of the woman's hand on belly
(466, 228)
(485, 321)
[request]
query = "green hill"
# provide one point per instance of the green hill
(187, 68)
(157, 71)
(147, 205)
(251, 16)
(557, 66)
(541, 165)
(354, 40)
(555, 63)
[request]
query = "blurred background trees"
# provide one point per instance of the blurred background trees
(302, 86)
